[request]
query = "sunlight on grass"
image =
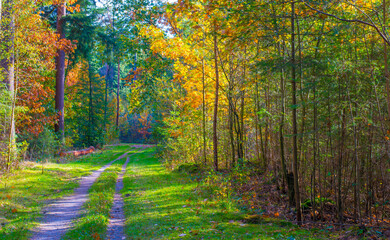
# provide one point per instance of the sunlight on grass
(25, 192)
(168, 205)
(94, 220)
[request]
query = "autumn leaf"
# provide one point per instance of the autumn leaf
(14, 210)
(96, 236)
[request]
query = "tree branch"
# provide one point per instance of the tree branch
(373, 25)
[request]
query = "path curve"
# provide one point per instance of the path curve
(115, 230)
(58, 216)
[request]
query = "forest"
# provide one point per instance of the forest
(282, 106)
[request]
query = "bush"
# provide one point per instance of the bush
(189, 168)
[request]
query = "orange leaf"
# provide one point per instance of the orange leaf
(14, 210)
(96, 236)
(277, 214)
(8, 196)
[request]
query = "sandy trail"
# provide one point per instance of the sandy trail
(59, 215)
(115, 230)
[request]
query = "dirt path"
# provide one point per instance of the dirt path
(115, 230)
(58, 216)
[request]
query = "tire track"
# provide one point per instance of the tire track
(59, 215)
(115, 230)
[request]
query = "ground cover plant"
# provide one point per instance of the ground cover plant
(282, 105)
(93, 221)
(160, 204)
(25, 192)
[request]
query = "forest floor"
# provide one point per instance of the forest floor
(158, 204)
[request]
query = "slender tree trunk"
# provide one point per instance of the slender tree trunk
(339, 168)
(91, 113)
(355, 138)
(386, 71)
(117, 95)
(12, 145)
(204, 114)
(60, 74)
(315, 137)
(242, 129)
(106, 98)
(231, 126)
(257, 121)
(294, 110)
(7, 58)
(215, 119)
(7, 64)
(281, 131)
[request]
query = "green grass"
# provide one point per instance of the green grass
(25, 192)
(169, 205)
(94, 221)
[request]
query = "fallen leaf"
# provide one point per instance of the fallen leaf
(14, 210)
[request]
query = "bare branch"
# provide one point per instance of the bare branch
(373, 25)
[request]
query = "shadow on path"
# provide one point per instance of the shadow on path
(58, 216)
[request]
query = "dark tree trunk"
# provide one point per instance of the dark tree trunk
(117, 94)
(294, 110)
(106, 98)
(91, 126)
(60, 74)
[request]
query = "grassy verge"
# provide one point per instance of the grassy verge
(168, 205)
(25, 192)
(94, 221)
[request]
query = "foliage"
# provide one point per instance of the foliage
(167, 205)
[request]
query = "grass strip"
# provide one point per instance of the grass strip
(25, 192)
(168, 205)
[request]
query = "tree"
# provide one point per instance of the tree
(7, 70)
(294, 116)
(215, 117)
(60, 73)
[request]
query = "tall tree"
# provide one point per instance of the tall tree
(117, 93)
(7, 68)
(215, 118)
(294, 116)
(60, 74)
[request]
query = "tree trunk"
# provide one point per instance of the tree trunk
(294, 110)
(7, 70)
(91, 114)
(117, 95)
(60, 74)
(204, 114)
(106, 98)
(12, 145)
(386, 71)
(339, 168)
(215, 119)
(281, 136)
